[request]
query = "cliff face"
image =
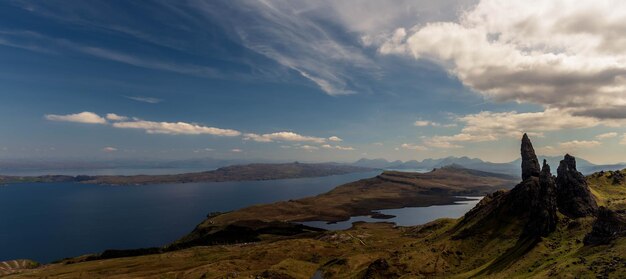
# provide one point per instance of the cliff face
(574, 198)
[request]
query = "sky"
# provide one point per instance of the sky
(312, 81)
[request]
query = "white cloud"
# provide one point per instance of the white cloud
(109, 149)
(424, 123)
(335, 139)
(623, 141)
(203, 150)
(413, 147)
(548, 151)
(115, 117)
(236, 150)
(442, 142)
(149, 100)
(491, 126)
(175, 128)
(578, 144)
(606, 135)
(83, 117)
(308, 147)
(565, 55)
(345, 148)
(184, 128)
(282, 136)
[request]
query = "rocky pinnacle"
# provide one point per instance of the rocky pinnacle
(530, 164)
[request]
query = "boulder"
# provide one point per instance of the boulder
(607, 227)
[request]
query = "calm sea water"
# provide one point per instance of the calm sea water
(408, 216)
(51, 221)
(104, 171)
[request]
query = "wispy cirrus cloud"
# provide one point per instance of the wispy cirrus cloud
(33, 41)
(295, 36)
(143, 99)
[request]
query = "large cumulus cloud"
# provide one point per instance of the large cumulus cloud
(566, 55)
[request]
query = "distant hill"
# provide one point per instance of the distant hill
(510, 168)
(8, 165)
(230, 173)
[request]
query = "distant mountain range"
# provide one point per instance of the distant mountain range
(511, 168)
(76, 167)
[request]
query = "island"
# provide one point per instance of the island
(250, 172)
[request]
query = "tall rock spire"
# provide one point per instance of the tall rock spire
(530, 164)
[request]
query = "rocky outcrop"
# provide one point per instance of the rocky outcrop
(617, 177)
(532, 203)
(607, 227)
(379, 269)
(530, 164)
(574, 199)
(543, 219)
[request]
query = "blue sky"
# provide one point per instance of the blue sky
(307, 80)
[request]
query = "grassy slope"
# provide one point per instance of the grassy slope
(429, 250)
(388, 190)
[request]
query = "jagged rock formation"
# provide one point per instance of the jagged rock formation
(543, 219)
(530, 164)
(607, 227)
(574, 199)
(532, 203)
